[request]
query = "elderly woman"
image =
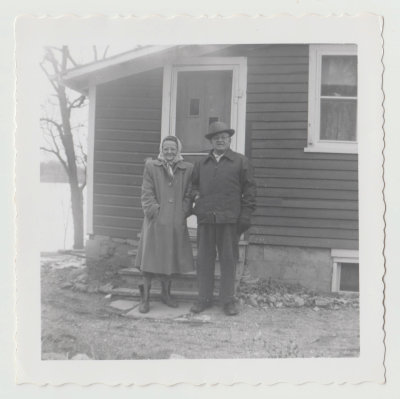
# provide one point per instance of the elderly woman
(165, 249)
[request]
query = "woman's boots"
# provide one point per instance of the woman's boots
(166, 298)
(144, 289)
(166, 294)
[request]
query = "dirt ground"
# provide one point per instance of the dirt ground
(81, 324)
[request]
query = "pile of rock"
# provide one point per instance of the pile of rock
(75, 274)
(62, 261)
(80, 281)
(268, 294)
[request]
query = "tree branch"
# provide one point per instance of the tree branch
(77, 103)
(95, 52)
(82, 186)
(64, 164)
(59, 139)
(105, 52)
(52, 59)
(69, 57)
(64, 59)
(55, 143)
(49, 77)
(84, 155)
(53, 138)
(54, 123)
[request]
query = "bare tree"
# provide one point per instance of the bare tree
(62, 138)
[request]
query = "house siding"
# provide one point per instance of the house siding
(304, 199)
(127, 131)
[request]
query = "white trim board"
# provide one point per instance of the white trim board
(88, 69)
(345, 253)
(238, 65)
(131, 63)
(90, 160)
(340, 256)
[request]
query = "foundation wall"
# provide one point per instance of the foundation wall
(309, 267)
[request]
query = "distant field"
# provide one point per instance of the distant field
(56, 229)
(53, 172)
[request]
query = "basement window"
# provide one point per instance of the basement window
(345, 272)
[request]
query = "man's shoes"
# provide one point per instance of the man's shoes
(200, 306)
(231, 309)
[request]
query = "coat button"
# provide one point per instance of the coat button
(170, 184)
(171, 201)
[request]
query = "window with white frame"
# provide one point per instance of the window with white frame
(345, 272)
(332, 104)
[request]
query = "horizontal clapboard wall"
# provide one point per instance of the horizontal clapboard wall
(127, 131)
(303, 199)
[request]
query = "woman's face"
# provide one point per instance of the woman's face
(169, 149)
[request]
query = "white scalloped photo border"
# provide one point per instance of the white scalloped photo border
(364, 30)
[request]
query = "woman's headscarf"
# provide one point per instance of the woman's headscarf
(178, 157)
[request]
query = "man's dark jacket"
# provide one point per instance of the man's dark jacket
(226, 189)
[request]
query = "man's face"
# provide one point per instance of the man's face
(221, 142)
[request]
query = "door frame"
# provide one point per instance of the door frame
(238, 66)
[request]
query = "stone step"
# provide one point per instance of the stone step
(155, 294)
(193, 239)
(184, 283)
(132, 278)
(242, 249)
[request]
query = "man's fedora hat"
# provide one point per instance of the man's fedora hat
(218, 127)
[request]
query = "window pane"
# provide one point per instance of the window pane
(339, 75)
(202, 96)
(338, 119)
(349, 277)
(194, 107)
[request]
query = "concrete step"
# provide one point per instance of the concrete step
(133, 252)
(132, 277)
(193, 239)
(183, 283)
(155, 294)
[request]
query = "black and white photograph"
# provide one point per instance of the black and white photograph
(201, 200)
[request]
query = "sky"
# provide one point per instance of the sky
(82, 55)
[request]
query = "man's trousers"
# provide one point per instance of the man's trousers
(224, 238)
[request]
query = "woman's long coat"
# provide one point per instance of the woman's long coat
(164, 246)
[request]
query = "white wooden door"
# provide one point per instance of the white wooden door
(199, 91)
(201, 98)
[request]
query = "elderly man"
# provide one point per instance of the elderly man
(224, 194)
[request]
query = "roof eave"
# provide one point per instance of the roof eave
(79, 78)
(82, 78)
